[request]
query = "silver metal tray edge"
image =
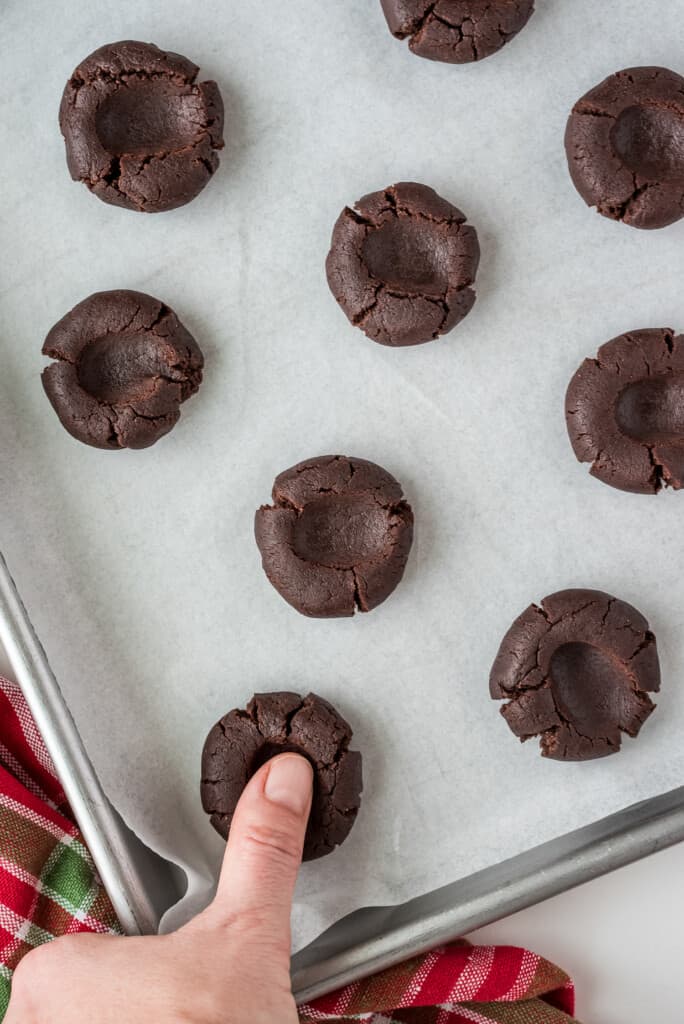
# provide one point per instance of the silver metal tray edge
(139, 883)
(387, 936)
(143, 885)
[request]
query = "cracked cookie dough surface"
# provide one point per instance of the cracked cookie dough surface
(577, 671)
(625, 146)
(456, 31)
(123, 365)
(402, 264)
(273, 723)
(140, 131)
(337, 536)
(625, 411)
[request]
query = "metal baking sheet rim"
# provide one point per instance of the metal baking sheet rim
(142, 885)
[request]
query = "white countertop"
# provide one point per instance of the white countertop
(621, 938)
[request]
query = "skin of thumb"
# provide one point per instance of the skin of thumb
(264, 851)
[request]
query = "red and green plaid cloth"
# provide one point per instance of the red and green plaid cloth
(49, 887)
(456, 984)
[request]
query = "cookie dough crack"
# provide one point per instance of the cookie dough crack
(521, 686)
(569, 725)
(115, 438)
(415, 26)
(358, 598)
(360, 318)
(410, 212)
(125, 327)
(444, 306)
(587, 111)
(648, 640)
(206, 163)
(112, 176)
(163, 314)
(541, 610)
(611, 602)
(575, 612)
(290, 717)
(124, 75)
(624, 209)
(659, 477)
(141, 415)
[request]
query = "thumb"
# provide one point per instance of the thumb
(264, 850)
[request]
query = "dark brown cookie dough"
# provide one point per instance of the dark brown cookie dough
(625, 411)
(577, 671)
(456, 31)
(140, 130)
(625, 147)
(124, 363)
(402, 264)
(337, 536)
(274, 723)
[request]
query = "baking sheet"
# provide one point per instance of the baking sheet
(140, 569)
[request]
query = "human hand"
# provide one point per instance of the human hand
(230, 965)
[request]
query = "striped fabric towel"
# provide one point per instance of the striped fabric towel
(49, 887)
(456, 984)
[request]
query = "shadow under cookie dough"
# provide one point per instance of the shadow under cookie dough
(577, 671)
(625, 147)
(140, 131)
(275, 723)
(124, 363)
(337, 536)
(625, 411)
(402, 265)
(456, 31)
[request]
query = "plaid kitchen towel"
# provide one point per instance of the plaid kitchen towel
(455, 984)
(49, 887)
(48, 884)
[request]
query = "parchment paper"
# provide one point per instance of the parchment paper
(140, 568)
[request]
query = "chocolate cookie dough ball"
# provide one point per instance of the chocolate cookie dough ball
(576, 671)
(337, 536)
(124, 363)
(625, 147)
(625, 411)
(456, 31)
(140, 130)
(274, 723)
(402, 264)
